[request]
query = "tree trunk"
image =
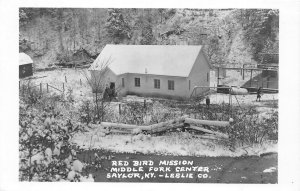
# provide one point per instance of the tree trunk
(207, 122)
(221, 135)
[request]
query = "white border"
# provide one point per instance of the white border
(289, 114)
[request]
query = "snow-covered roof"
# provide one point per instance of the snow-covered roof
(169, 60)
(24, 59)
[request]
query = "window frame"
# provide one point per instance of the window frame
(171, 85)
(156, 83)
(135, 82)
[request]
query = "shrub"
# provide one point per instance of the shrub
(133, 113)
(29, 92)
(46, 153)
(249, 128)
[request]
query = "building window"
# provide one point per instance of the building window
(207, 76)
(123, 83)
(171, 84)
(137, 82)
(156, 83)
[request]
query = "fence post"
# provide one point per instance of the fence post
(66, 79)
(251, 77)
(41, 88)
(47, 88)
(218, 76)
(243, 72)
(119, 109)
(102, 108)
(262, 79)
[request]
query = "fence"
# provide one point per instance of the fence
(28, 87)
(183, 122)
(261, 80)
(23, 88)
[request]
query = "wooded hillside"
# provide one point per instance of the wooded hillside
(231, 36)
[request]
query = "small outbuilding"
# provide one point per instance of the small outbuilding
(25, 65)
(169, 71)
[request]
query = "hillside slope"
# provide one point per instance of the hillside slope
(55, 35)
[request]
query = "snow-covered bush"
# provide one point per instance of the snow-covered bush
(46, 153)
(90, 112)
(248, 128)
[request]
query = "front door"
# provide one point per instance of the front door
(112, 85)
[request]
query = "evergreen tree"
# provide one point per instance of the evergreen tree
(117, 27)
(147, 32)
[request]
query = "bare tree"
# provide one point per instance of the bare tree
(96, 77)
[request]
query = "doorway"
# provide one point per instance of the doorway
(112, 85)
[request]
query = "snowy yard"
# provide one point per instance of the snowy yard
(175, 143)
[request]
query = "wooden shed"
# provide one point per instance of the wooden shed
(25, 65)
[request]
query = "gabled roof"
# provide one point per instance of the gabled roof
(169, 60)
(24, 59)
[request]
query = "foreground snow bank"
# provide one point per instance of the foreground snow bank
(177, 143)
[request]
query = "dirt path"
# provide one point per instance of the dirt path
(220, 169)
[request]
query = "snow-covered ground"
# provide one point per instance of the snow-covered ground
(72, 79)
(176, 143)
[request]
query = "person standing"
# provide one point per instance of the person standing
(207, 102)
(106, 93)
(258, 94)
